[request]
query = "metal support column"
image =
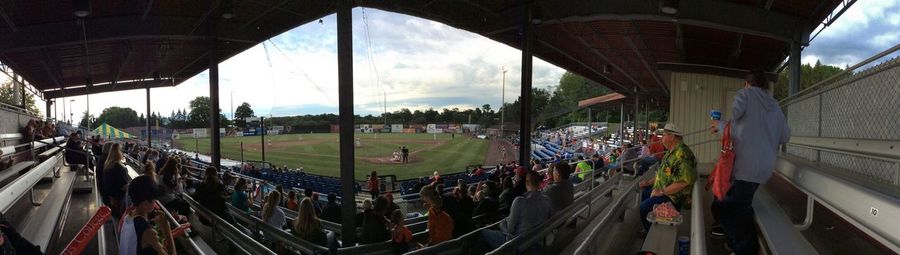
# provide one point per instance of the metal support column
(215, 156)
(525, 96)
(589, 123)
(262, 133)
(622, 125)
(637, 109)
(345, 110)
(794, 64)
(149, 137)
(87, 99)
(48, 103)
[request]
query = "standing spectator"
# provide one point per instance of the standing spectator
(239, 197)
(307, 226)
(100, 160)
(332, 211)
(115, 178)
(561, 192)
(758, 127)
(440, 224)
(137, 235)
(374, 224)
(527, 212)
(374, 185)
(674, 179)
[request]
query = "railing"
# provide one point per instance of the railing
(256, 226)
(185, 240)
(610, 213)
(586, 203)
(220, 226)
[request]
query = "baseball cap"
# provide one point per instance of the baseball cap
(673, 129)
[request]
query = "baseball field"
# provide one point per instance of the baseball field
(319, 153)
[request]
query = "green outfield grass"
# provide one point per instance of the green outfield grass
(319, 153)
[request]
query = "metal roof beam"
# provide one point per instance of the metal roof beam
(103, 30)
(9, 22)
(585, 65)
(643, 58)
(721, 15)
(96, 89)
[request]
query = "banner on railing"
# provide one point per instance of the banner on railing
(87, 233)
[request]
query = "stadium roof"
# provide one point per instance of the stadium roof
(620, 44)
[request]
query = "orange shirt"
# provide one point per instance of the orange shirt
(440, 226)
(291, 204)
(401, 235)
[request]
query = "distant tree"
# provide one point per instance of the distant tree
(8, 94)
(809, 75)
(84, 120)
(199, 114)
(241, 113)
(118, 117)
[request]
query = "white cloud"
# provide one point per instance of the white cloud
(420, 64)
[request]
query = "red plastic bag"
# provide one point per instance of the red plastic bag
(719, 180)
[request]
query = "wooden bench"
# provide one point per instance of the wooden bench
(40, 227)
(777, 229)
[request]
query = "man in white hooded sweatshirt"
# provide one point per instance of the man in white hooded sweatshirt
(758, 127)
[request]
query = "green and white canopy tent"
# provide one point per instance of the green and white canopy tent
(110, 132)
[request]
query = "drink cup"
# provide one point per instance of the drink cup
(715, 115)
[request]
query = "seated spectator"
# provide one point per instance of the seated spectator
(391, 205)
(506, 196)
(115, 179)
(487, 203)
(291, 203)
(75, 153)
(172, 185)
(374, 224)
(673, 180)
(271, 211)
(561, 192)
(583, 169)
(527, 212)
(367, 209)
(211, 194)
(435, 178)
(440, 224)
(308, 192)
(307, 226)
(138, 235)
(519, 182)
(462, 219)
(239, 198)
(332, 211)
(400, 234)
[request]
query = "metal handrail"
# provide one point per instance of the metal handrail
(279, 234)
(221, 226)
(186, 240)
(588, 241)
(558, 219)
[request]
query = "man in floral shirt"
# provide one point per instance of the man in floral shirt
(674, 179)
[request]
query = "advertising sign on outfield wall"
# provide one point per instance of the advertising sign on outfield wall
(397, 128)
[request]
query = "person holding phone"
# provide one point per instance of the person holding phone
(138, 235)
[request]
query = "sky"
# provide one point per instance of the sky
(419, 64)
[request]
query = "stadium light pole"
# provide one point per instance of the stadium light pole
(71, 111)
(345, 113)
(502, 98)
